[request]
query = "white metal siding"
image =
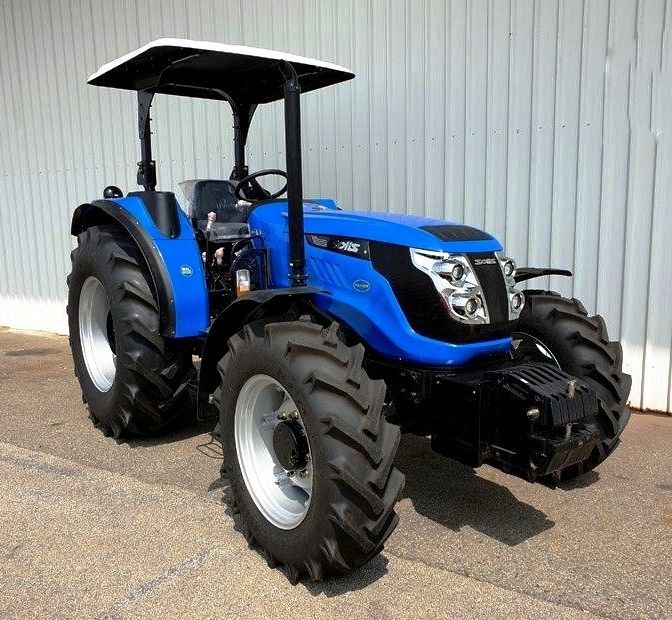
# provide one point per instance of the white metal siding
(547, 123)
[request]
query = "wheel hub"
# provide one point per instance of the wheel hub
(273, 451)
(96, 334)
(290, 445)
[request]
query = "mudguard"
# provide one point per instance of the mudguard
(168, 244)
(242, 311)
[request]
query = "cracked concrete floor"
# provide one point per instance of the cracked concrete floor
(91, 528)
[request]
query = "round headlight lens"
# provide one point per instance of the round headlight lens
(509, 268)
(450, 269)
(457, 271)
(471, 307)
(517, 301)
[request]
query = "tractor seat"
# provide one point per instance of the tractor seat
(214, 195)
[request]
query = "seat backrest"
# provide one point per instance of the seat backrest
(218, 196)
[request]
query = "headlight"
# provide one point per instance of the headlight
(466, 305)
(450, 269)
(516, 298)
(509, 268)
(471, 306)
(454, 278)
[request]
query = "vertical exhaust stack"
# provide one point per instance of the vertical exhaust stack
(146, 165)
(292, 96)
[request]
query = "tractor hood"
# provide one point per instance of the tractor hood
(408, 230)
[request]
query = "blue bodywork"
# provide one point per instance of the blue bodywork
(183, 261)
(357, 294)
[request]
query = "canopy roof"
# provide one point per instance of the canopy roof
(244, 75)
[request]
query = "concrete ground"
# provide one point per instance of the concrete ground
(92, 528)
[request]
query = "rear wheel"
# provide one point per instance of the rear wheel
(133, 380)
(308, 451)
(559, 331)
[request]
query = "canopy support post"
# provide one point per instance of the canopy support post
(242, 117)
(146, 165)
(292, 96)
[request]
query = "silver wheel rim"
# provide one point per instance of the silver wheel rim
(94, 334)
(543, 353)
(282, 497)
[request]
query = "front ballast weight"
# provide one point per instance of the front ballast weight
(530, 419)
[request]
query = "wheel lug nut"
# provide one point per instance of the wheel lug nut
(303, 473)
(293, 415)
(282, 416)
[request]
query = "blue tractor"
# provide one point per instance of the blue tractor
(323, 334)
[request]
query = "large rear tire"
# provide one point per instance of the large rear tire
(579, 344)
(133, 380)
(350, 485)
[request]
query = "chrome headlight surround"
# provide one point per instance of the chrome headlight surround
(516, 297)
(462, 296)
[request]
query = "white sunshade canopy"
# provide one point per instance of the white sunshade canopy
(244, 75)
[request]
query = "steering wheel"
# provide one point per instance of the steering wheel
(255, 191)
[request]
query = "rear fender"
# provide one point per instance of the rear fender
(166, 240)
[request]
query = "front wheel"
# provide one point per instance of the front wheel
(559, 331)
(308, 451)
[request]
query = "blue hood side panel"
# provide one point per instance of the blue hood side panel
(359, 296)
(386, 227)
(362, 299)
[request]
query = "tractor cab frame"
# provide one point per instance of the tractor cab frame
(245, 78)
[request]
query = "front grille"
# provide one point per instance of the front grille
(423, 306)
(490, 276)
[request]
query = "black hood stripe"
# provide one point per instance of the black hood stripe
(457, 232)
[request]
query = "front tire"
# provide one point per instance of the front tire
(353, 484)
(133, 380)
(563, 333)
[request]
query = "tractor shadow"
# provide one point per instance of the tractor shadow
(446, 492)
(186, 428)
(442, 490)
(453, 496)
(574, 484)
(358, 579)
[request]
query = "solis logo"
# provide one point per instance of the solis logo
(485, 261)
(361, 286)
(186, 271)
(348, 246)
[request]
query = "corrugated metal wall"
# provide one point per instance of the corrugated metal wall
(547, 123)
